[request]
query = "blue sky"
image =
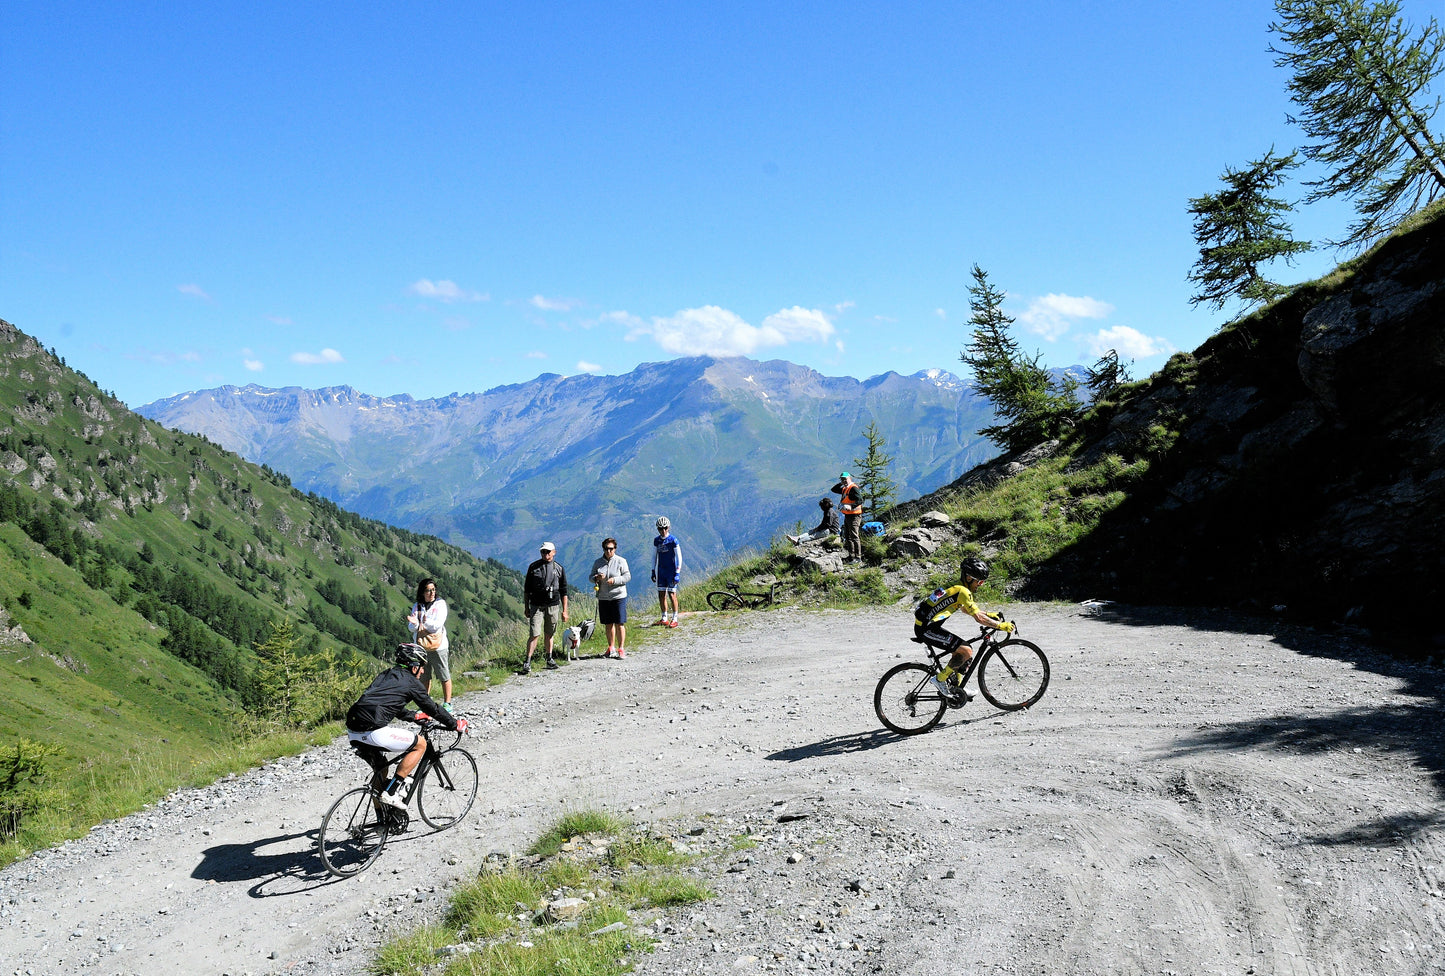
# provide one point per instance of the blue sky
(448, 197)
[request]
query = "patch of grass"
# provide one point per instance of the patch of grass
(555, 954)
(484, 912)
(662, 890)
(412, 955)
(575, 823)
(485, 907)
(646, 851)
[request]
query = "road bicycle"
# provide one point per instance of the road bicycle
(733, 598)
(357, 826)
(1012, 674)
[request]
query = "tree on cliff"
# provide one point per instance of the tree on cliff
(879, 490)
(1359, 77)
(1031, 407)
(1240, 228)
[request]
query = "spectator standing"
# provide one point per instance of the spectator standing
(828, 526)
(610, 574)
(851, 504)
(666, 569)
(428, 625)
(544, 599)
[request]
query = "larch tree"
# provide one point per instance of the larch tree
(1239, 229)
(1360, 77)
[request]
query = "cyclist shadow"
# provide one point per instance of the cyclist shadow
(289, 870)
(842, 745)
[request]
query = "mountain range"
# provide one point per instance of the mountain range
(731, 449)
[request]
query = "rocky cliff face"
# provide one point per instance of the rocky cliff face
(1299, 458)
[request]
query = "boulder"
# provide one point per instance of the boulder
(933, 520)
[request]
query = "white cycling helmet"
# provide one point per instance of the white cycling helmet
(663, 524)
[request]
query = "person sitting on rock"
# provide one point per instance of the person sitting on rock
(938, 606)
(828, 526)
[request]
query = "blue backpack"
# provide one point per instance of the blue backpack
(872, 528)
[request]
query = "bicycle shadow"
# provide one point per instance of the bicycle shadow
(844, 745)
(295, 869)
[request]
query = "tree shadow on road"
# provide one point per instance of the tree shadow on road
(1414, 729)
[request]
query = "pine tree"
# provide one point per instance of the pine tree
(1358, 77)
(1106, 375)
(1032, 409)
(1240, 228)
(877, 486)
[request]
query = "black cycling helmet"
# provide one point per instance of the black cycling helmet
(410, 655)
(973, 566)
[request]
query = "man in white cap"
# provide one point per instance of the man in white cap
(544, 599)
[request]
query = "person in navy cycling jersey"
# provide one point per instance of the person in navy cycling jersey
(369, 720)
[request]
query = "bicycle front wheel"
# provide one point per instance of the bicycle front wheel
(719, 600)
(1014, 675)
(907, 701)
(447, 789)
(352, 833)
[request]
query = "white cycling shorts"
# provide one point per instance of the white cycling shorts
(392, 738)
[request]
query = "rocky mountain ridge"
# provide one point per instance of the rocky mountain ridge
(732, 449)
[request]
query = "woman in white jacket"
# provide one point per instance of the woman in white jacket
(610, 575)
(428, 625)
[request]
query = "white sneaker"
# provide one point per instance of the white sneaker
(394, 799)
(943, 687)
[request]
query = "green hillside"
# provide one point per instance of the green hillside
(139, 569)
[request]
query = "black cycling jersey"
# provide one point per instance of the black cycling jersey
(387, 698)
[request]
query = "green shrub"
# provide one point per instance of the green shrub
(24, 773)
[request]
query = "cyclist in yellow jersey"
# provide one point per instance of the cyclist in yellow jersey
(938, 606)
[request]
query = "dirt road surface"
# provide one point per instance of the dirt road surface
(1192, 796)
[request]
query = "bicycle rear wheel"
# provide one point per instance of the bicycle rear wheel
(719, 600)
(1014, 675)
(352, 833)
(447, 789)
(907, 701)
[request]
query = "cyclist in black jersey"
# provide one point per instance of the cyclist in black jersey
(369, 720)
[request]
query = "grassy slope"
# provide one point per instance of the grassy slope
(131, 719)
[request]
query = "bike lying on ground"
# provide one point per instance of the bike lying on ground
(733, 598)
(1012, 674)
(356, 828)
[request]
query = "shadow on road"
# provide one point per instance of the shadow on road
(1416, 729)
(289, 870)
(838, 745)
(842, 745)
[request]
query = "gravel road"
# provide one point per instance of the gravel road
(1192, 796)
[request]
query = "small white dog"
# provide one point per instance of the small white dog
(573, 637)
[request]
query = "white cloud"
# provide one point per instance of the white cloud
(1128, 343)
(445, 291)
(583, 366)
(1052, 315)
(940, 313)
(536, 354)
(317, 358)
(195, 291)
(254, 365)
(554, 304)
(714, 331)
(842, 307)
(279, 320)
